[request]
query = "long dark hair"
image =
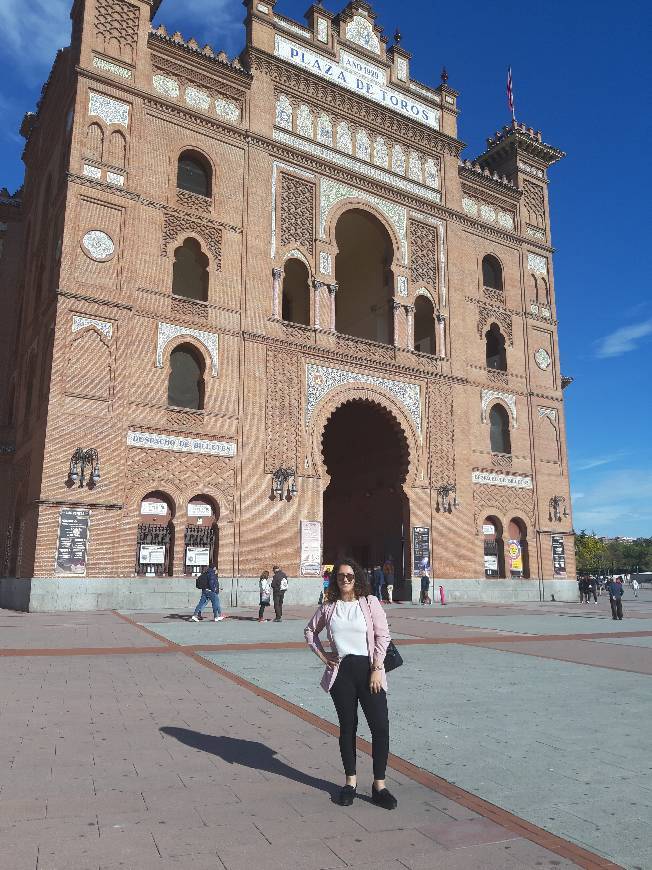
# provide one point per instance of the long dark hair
(360, 586)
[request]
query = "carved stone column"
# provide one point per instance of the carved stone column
(397, 308)
(317, 287)
(441, 324)
(332, 290)
(277, 274)
(409, 310)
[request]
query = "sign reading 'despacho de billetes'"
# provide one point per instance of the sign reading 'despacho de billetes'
(154, 441)
(361, 83)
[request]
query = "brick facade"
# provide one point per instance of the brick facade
(295, 133)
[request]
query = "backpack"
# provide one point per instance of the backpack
(284, 584)
(202, 581)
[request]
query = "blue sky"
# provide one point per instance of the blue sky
(582, 75)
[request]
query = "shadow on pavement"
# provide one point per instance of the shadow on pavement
(248, 753)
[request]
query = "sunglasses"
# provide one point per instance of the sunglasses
(346, 578)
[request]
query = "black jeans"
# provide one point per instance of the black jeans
(261, 609)
(279, 595)
(616, 607)
(351, 686)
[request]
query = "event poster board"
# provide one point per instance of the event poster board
(198, 556)
(310, 548)
(558, 556)
(152, 554)
(72, 543)
(516, 558)
(420, 549)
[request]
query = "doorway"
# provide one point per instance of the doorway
(366, 510)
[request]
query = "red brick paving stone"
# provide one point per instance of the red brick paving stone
(383, 844)
(634, 659)
(310, 855)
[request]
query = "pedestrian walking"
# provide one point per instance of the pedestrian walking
(635, 586)
(209, 584)
(378, 582)
(279, 588)
(584, 590)
(388, 571)
(591, 590)
(615, 587)
(425, 589)
(358, 633)
(265, 595)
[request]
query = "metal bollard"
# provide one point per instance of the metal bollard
(442, 595)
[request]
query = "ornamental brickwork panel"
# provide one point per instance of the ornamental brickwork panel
(282, 410)
(116, 27)
(297, 212)
(177, 225)
(507, 502)
(534, 204)
(423, 254)
(488, 315)
(441, 447)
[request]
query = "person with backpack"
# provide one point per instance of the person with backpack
(265, 595)
(279, 588)
(209, 584)
(615, 587)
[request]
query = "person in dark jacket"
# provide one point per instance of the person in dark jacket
(210, 593)
(615, 588)
(279, 588)
(378, 582)
(591, 589)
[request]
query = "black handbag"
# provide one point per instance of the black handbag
(393, 658)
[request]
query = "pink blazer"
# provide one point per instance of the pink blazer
(377, 635)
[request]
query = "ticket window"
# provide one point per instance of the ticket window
(494, 561)
(200, 538)
(154, 537)
(518, 549)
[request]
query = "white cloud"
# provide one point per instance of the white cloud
(33, 32)
(594, 462)
(624, 339)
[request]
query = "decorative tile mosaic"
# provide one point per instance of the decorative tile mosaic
(536, 233)
(109, 110)
(357, 166)
(297, 255)
(487, 213)
(167, 86)
(551, 413)
(381, 154)
(103, 326)
(168, 331)
(432, 173)
(531, 170)
(398, 160)
(322, 380)
(415, 167)
(505, 220)
(304, 122)
(402, 285)
(261, 7)
(470, 206)
(115, 179)
(284, 112)
(545, 312)
(324, 130)
(401, 69)
(488, 397)
(322, 30)
(92, 172)
(361, 32)
(113, 68)
(534, 308)
(98, 245)
(227, 110)
(325, 263)
(362, 145)
(542, 358)
(537, 264)
(197, 99)
(436, 222)
(332, 192)
(344, 140)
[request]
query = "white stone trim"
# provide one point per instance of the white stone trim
(551, 413)
(296, 253)
(169, 331)
(488, 396)
(103, 326)
(109, 110)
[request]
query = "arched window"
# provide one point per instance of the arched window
(95, 142)
(186, 378)
(499, 430)
(117, 150)
(194, 173)
(296, 292)
(519, 556)
(494, 550)
(424, 325)
(495, 349)
(492, 273)
(190, 271)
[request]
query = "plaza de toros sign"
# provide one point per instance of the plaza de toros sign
(358, 76)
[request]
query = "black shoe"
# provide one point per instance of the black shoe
(346, 796)
(278, 619)
(383, 798)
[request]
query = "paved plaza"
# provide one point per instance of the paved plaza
(141, 740)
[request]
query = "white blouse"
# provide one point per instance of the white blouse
(349, 629)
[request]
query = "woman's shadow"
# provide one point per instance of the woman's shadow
(248, 753)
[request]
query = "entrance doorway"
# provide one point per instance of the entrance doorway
(366, 511)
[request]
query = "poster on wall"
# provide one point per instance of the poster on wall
(154, 508)
(72, 543)
(198, 556)
(196, 509)
(558, 556)
(152, 554)
(515, 558)
(310, 548)
(420, 549)
(490, 565)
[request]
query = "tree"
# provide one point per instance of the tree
(590, 553)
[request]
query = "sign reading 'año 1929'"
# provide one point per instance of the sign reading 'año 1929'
(360, 82)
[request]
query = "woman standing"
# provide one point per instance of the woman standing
(359, 636)
(265, 595)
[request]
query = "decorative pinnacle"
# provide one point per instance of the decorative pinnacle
(398, 37)
(444, 75)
